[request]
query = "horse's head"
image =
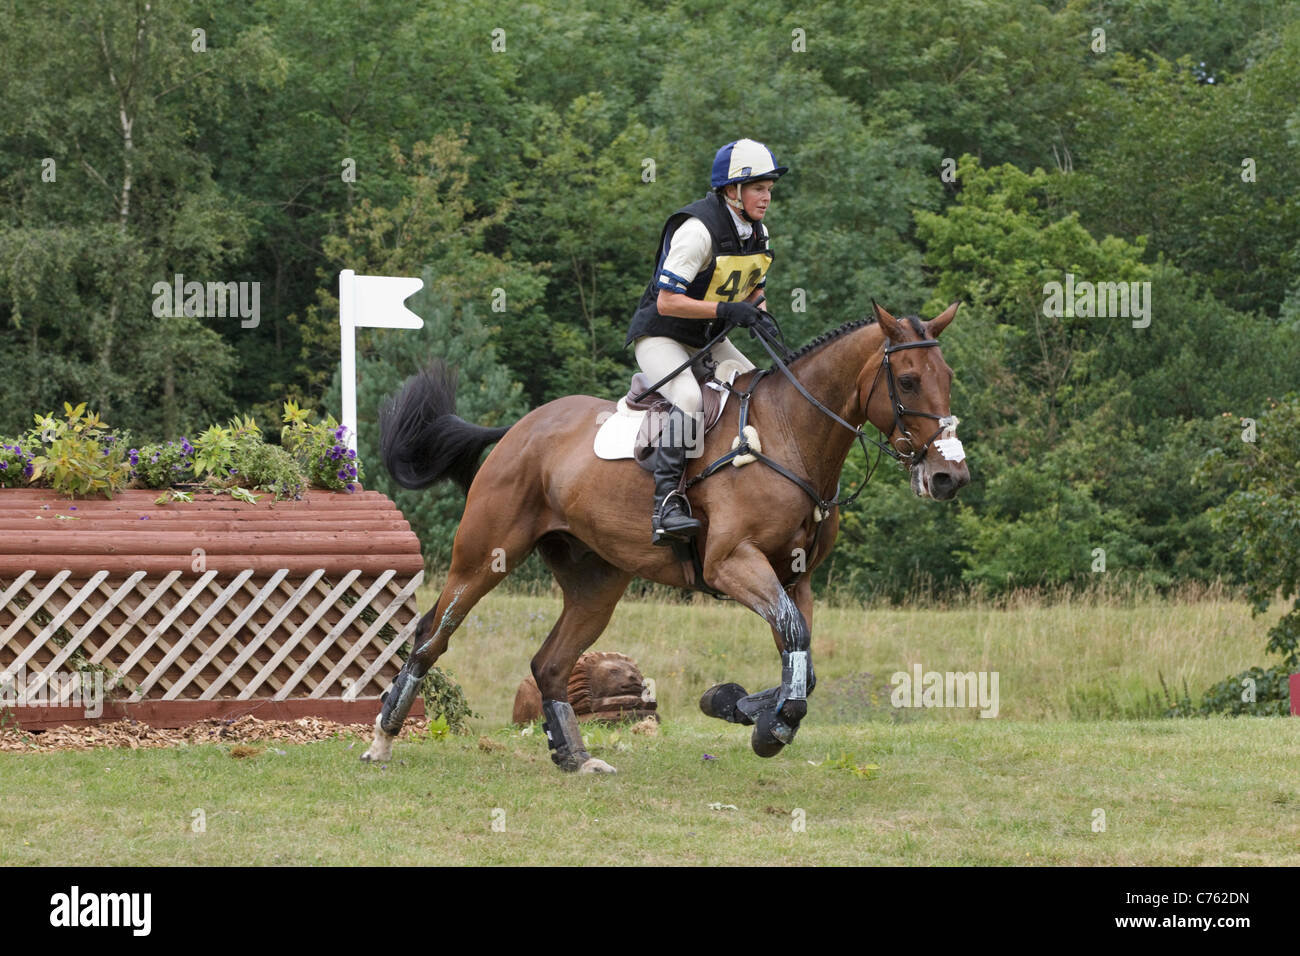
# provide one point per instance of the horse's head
(907, 397)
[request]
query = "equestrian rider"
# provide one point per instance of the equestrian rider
(709, 275)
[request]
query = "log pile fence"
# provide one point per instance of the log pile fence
(214, 607)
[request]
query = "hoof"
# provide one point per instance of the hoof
(592, 765)
(770, 734)
(720, 701)
(381, 749)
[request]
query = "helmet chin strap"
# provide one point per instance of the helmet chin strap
(737, 204)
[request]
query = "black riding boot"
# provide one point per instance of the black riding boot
(671, 520)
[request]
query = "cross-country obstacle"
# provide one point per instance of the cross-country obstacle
(207, 608)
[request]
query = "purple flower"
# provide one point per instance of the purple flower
(72, 507)
(351, 453)
(343, 475)
(134, 455)
(144, 517)
(340, 432)
(351, 487)
(186, 447)
(3, 465)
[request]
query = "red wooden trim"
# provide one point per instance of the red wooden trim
(188, 522)
(181, 713)
(145, 540)
(121, 565)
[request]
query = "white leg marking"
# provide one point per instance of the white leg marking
(381, 750)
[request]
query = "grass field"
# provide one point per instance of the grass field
(985, 792)
(868, 783)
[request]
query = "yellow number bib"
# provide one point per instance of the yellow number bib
(735, 277)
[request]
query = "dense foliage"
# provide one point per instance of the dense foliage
(80, 455)
(522, 158)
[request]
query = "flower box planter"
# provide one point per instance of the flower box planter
(214, 607)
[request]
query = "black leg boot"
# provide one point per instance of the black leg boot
(671, 520)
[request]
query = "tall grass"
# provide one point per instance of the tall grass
(1102, 652)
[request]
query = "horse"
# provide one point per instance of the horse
(542, 488)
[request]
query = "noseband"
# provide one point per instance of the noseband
(900, 410)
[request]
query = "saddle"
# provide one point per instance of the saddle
(632, 429)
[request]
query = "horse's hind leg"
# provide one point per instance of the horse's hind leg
(476, 569)
(592, 587)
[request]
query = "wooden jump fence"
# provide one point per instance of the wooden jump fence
(213, 607)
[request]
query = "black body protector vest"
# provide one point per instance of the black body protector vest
(737, 268)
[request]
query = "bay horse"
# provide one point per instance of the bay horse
(543, 488)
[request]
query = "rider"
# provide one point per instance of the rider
(709, 275)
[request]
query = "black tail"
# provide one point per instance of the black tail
(422, 440)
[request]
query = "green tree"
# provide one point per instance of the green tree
(110, 192)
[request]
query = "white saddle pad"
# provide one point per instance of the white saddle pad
(618, 429)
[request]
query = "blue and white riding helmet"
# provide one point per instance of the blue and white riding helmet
(744, 161)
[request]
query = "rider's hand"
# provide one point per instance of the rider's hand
(742, 314)
(766, 325)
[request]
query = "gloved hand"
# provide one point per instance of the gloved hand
(742, 314)
(766, 325)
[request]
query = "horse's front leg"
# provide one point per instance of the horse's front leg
(776, 712)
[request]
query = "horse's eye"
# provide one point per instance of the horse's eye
(908, 383)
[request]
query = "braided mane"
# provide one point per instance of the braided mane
(847, 327)
(830, 336)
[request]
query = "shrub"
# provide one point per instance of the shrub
(164, 465)
(444, 698)
(255, 464)
(321, 449)
(1259, 521)
(15, 462)
(78, 455)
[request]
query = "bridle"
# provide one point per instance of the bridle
(823, 505)
(900, 411)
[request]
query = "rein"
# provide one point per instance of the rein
(823, 505)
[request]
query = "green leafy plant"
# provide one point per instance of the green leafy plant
(444, 699)
(165, 464)
(77, 455)
(262, 467)
(1260, 520)
(212, 451)
(1257, 692)
(849, 764)
(15, 462)
(321, 449)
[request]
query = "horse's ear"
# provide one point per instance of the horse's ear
(937, 325)
(888, 323)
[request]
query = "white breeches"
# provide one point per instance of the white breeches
(658, 355)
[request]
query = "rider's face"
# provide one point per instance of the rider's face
(756, 196)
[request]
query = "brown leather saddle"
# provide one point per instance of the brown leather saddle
(656, 404)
